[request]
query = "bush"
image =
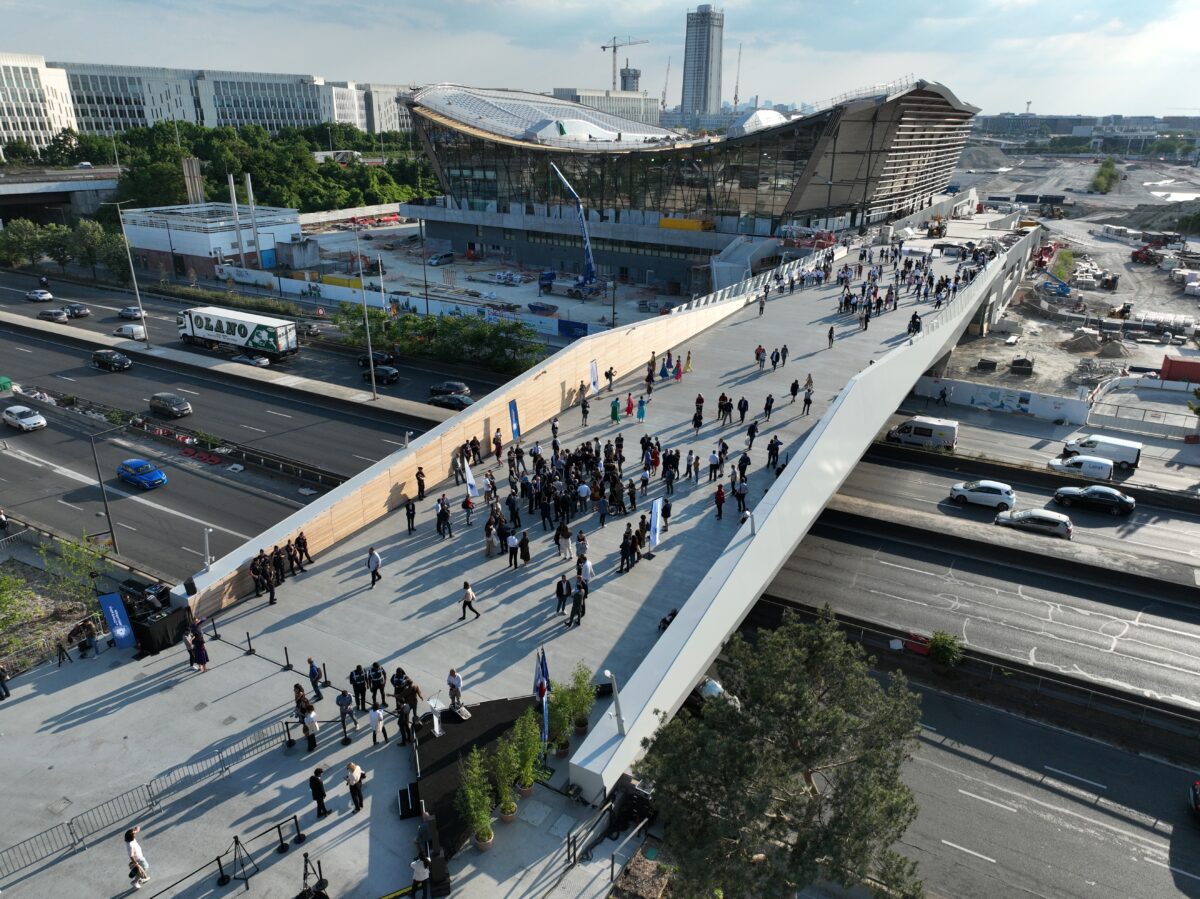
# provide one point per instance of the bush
(506, 765)
(945, 649)
(527, 739)
(1107, 177)
(580, 694)
(474, 797)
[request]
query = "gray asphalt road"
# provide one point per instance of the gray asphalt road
(1010, 808)
(320, 365)
(49, 476)
(335, 437)
(1127, 641)
(1158, 533)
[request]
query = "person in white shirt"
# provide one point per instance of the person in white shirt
(586, 573)
(375, 716)
(454, 682)
(354, 779)
(139, 868)
(420, 877)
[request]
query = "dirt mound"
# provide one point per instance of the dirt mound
(1114, 349)
(1084, 343)
(1156, 217)
(983, 158)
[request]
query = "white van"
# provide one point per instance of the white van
(931, 433)
(133, 332)
(1126, 453)
(1085, 466)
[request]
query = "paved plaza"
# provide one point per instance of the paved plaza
(76, 736)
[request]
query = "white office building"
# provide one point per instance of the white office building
(112, 99)
(636, 105)
(387, 107)
(35, 100)
(702, 61)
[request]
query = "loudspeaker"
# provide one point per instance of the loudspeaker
(190, 586)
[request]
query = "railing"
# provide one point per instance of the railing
(613, 870)
(582, 833)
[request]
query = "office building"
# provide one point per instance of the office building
(631, 79)
(868, 158)
(702, 61)
(35, 100)
(638, 106)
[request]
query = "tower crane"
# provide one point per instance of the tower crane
(628, 42)
(737, 79)
(666, 81)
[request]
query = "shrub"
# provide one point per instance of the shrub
(945, 649)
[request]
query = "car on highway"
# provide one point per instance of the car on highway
(130, 312)
(133, 332)
(448, 387)
(23, 418)
(984, 493)
(54, 315)
(1098, 497)
(455, 401)
(441, 259)
(170, 404)
(1085, 466)
(384, 374)
(1041, 521)
(141, 473)
(251, 359)
(111, 360)
(379, 357)
(308, 329)
(76, 310)
(39, 296)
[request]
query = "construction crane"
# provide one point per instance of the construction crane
(666, 81)
(737, 79)
(628, 42)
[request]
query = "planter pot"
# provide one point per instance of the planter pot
(484, 846)
(581, 726)
(525, 792)
(561, 750)
(508, 817)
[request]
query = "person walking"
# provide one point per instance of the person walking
(410, 513)
(420, 877)
(345, 704)
(314, 678)
(512, 544)
(139, 868)
(468, 599)
(719, 499)
(751, 433)
(783, 354)
(795, 389)
(358, 683)
(743, 406)
(769, 405)
(641, 409)
(354, 782)
(377, 722)
(807, 400)
(576, 616)
(523, 547)
(374, 563)
(562, 592)
(830, 336)
(302, 548)
(377, 681)
(614, 411)
(199, 647)
(628, 405)
(317, 787)
(311, 725)
(399, 681)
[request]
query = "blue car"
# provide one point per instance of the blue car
(141, 473)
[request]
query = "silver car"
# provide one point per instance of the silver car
(23, 418)
(1042, 521)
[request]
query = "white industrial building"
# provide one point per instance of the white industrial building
(638, 106)
(35, 101)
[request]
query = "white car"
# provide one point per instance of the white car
(39, 296)
(1041, 521)
(132, 312)
(24, 418)
(248, 359)
(984, 493)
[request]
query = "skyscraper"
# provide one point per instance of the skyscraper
(702, 62)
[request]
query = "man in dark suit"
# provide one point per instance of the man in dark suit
(317, 786)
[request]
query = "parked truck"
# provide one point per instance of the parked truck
(213, 328)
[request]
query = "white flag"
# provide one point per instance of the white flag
(595, 377)
(656, 521)
(471, 488)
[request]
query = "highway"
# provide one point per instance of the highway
(49, 476)
(321, 365)
(337, 437)
(1149, 532)
(1011, 808)
(1131, 642)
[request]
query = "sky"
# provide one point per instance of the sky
(1091, 57)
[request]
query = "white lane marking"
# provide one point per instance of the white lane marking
(128, 527)
(22, 349)
(185, 390)
(904, 567)
(71, 505)
(90, 480)
(280, 414)
(989, 801)
(364, 458)
(252, 428)
(1171, 868)
(929, 727)
(194, 552)
(402, 446)
(64, 377)
(1075, 777)
(969, 851)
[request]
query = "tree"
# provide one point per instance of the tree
(115, 257)
(58, 243)
(15, 605)
(798, 780)
(945, 649)
(63, 149)
(71, 564)
(87, 243)
(20, 150)
(349, 320)
(24, 239)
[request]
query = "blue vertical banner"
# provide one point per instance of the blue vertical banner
(118, 621)
(514, 420)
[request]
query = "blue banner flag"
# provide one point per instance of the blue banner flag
(118, 620)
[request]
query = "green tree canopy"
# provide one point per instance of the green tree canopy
(799, 781)
(58, 244)
(23, 240)
(87, 242)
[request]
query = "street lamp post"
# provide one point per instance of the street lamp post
(424, 272)
(207, 554)
(616, 702)
(612, 285)
(112, 529)
(132, 272)
(362, 289)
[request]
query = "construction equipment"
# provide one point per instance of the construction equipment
(1122, 311)
(1055, 287)
(1146, 255)
(936, 228)
(666, 83)
(1109, 280)
(628, 42)
(585, 285)
(737, 80)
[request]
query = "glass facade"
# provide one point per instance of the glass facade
(747, 176)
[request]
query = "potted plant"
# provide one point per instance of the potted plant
(527, 740)
(474, 798)
(582, 697)
(560, 719)
(506, 764)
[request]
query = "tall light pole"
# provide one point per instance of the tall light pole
(612, 285)
(132, 272)
(207, 554)
(616, 702)
(424, 272)
(362, 289)
(112, 529)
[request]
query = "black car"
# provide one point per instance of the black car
(450, 387)
(76, 310)
(455, 401)
(384, 374)
(110, 360)
(380, 357)
(171, 405)
(1098, 497)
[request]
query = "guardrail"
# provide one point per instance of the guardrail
(582, 833)
(613, 870)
